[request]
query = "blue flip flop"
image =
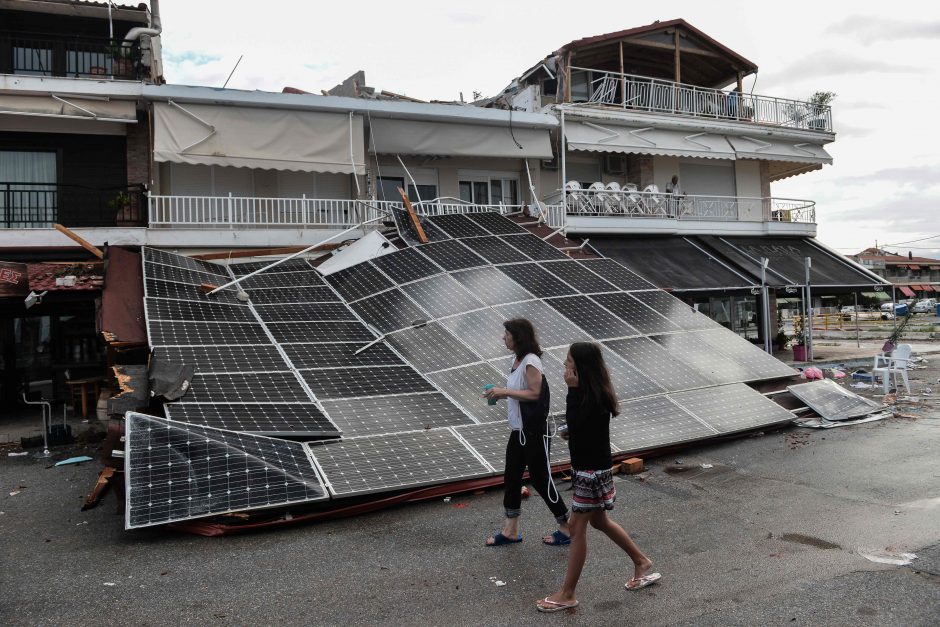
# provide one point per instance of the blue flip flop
(499, 539)
(558, 539)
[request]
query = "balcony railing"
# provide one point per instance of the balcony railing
(213, 212)
(46, 54)
(644, 204)
(661, 96)
(40, 205)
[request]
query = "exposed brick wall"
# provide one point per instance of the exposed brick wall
(138, 151)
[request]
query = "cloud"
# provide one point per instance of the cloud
(834, 63)
(190, 56)
(848, 130)
(466, 18)
(919, 176)
(871, 29)
(903, 213)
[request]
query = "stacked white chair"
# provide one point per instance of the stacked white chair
(892, 365)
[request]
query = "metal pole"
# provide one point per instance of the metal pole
(765, 305)
(564, 179)
(809, 311)
(894, 306)
(858, 342)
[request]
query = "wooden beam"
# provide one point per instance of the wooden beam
(740, 82)
(623, 79)
(81, 242)
(662, 46)
(414, 216)
(675, 39)
(567, 95)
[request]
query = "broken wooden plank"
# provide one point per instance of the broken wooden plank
(414, 217)
(79, 240)
(98, 491)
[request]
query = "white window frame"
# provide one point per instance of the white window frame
(488, 176)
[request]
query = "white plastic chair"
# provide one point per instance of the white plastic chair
(596, 197)
(631, 200)
(575, 197)
(613, 199)
(891, 365)
(653, 202)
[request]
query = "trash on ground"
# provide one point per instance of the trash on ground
(897, 559)
(110, 583)
(499, 583)
(74, 460)
(20, 454)
(14, 492)
(861, 385)
(706, 466)
(447, 499)
(822, 423)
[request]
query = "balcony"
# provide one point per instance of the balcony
(641, 93)
(47, 54)
(40, 205)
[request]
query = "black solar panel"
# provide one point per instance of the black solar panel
(677, 311)
(197, 311)
(359, 281)
(177, 472)
(536, 280)
(617, 274)
(579, 277)
(452, 255)
(392, 414)
(291, 265)
(655, 362)
(635, 313)
(494, 250)
(551, 328)
(431, 347)
(242, 358)
(304, 311)
(482, 330)
(457, 225)
(757, 363)
(340, 354)
(154, 255)
(390, 311)
(182, 275)
(292, 295)
(534, 247)
(690, 349)
(283, 280)
(489, 441)
(404, 266)
(185, 291)
(294, 419)
(296, 332)
(492, 286)
(731, 408)
(267, 387)
(591, 317)
(442, 296)
(352, 382)
(464, 386)
(653, 422)
(408, 232)
(496, 224)
(175, 333)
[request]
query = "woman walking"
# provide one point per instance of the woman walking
(529, 440)
(591, 402)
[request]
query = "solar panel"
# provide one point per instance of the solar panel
(628, 382)
(286, 280)
(757, 363)
(291, 265)
(551, 328)
(482, 330)
(243, 358)
(392, 414)
(352, 382)
(293, 295)
(155, 255)
(304, 311)
(690, 349)
(553, 368)
(359, 281)
(457, 225)
(731, 408)
(176, 471)
(294, 419)
(832, 401)
(396, 461)
(578, 277)
(617, 274)
(677, 311)
(534, 247)
(591, 317)
(431, 347)
(494, 249)
(408, 232)
(489, 441)
(495, 223)
(655, 362)
(389, 311)
(492, 286)
(305, 332)
(404, 266)
(536, 280)
(197, 311)
(266, 387)
(442, 296)
(464, 386)
(653, 422)
(185, 291)
(340, 354)
(176, 333)
(452, 255)
(635, 313)
(181, 275)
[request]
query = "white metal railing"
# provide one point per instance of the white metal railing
(247, 212)
(648, 204)
(663, 96)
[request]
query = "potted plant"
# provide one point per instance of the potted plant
(798, 340)
(124, 58)
(818, 106)
(123, 210)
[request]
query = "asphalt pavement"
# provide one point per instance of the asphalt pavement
(771, 534)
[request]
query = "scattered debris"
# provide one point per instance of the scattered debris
(643, 476)
(110, 583)
(14, 492)
(707, 466)
(447, 499)
(632, 466)
(822, 423)
(897, 559)
(20, 454)
(861, 385)
(499, 584)
(525, 492)
(74, 460)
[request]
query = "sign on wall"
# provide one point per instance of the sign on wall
(14, 280)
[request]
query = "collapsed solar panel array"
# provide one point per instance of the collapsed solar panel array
(296, 360)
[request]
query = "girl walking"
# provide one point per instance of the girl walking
(590, 403)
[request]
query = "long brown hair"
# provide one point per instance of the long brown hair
(523, 337)
(593, 376)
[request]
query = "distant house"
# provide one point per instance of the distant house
(913, 277)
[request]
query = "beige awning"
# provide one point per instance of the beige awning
(772, 149)
(69, 107)
(410, 137)
(646, 140)
(247, 137)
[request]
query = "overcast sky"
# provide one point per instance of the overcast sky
(881, 62)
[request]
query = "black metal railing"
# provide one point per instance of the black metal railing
(40, 205)
(46, 54)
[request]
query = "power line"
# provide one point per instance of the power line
(911, 241)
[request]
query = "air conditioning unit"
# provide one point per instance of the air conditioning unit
(550, 164)
(615, 164)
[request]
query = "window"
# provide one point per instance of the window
(488, 189)
(32, 61)
(28, 192)
(389, 185)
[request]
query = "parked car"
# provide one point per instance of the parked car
(927, 306)
(851, 314)
(898, 309)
